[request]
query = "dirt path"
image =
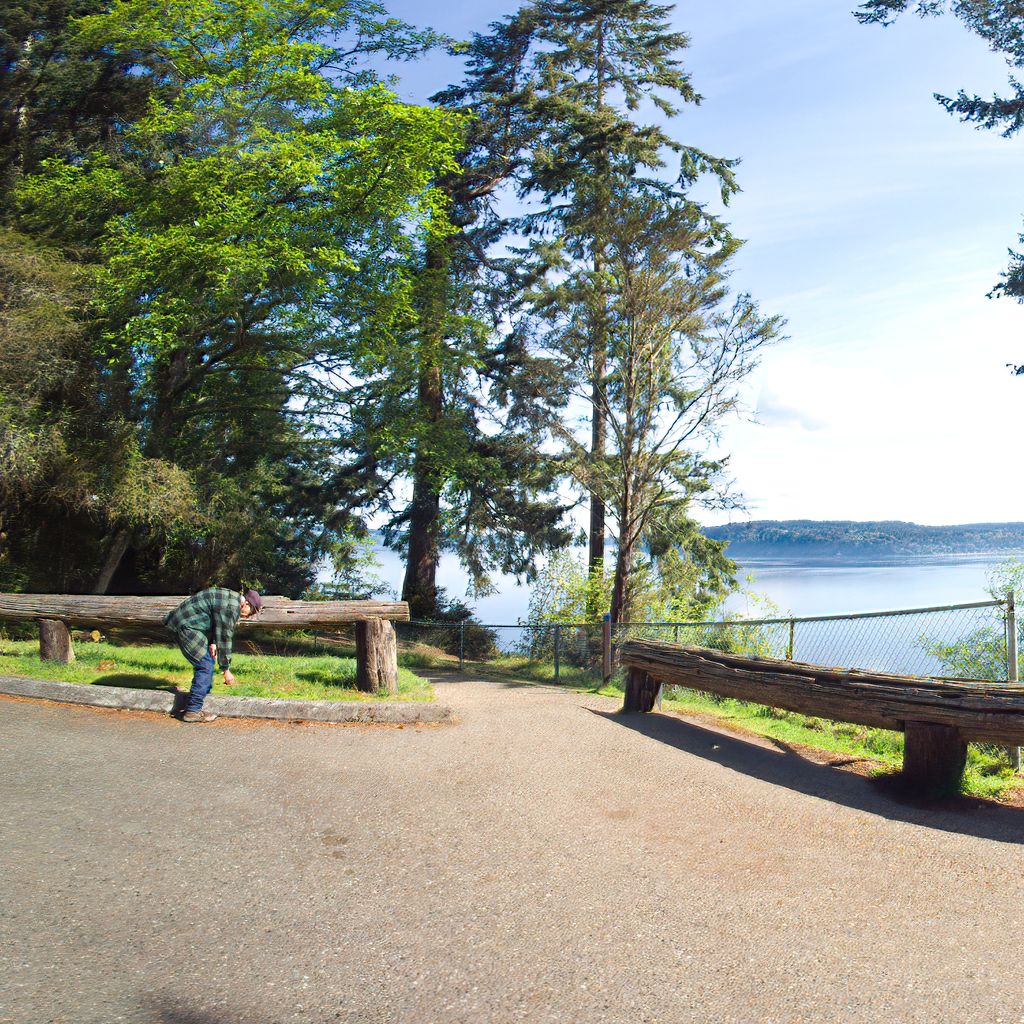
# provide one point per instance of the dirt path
(542, 860)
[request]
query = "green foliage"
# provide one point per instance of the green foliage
(565, 587)
(220, 235)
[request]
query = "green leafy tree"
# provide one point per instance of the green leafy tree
(58, 95)
(268, 166)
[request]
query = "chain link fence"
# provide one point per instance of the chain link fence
(965, 641)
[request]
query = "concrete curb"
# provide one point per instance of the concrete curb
(126, 698)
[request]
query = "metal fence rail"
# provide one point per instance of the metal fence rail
(960, 641)
(976, 640)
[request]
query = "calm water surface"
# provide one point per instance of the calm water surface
(796, 587)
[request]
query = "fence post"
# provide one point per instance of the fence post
(462, 644)
(558, 650)
(792, 637)
(606, 647)
(677, 632)
(1011, 663)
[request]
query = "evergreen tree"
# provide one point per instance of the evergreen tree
(595, 62)
(457, 406)
(59, 96)
(675, 355)
(1001, 24)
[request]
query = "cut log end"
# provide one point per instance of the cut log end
(934, 757)
(55, 642)
(376, 656)
(641, 692)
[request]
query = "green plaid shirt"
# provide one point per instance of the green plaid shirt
(208, 617)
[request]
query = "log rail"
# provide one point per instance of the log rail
(376, 650)
(937, 716)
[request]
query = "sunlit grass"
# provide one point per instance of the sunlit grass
(303, 676)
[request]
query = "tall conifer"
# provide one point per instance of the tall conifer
(596, 62)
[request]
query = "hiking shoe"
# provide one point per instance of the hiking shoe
(198, 716)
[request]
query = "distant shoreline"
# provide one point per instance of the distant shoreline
(843, 539)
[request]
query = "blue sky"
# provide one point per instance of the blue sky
(875, 224)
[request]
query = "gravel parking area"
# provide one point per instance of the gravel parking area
(542, 859)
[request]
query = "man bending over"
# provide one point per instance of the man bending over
(204, 625)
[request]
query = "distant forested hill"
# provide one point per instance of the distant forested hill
(845, 537)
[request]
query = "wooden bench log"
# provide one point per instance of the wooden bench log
(376, 643)
(641, 692)
(937, 716)
(91, 611)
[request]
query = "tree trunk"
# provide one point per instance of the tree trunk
(171, 378)
(420, 585)
(55, 642)
(620, 588)
(595, 554)
(599, 343)
(376, 656)
(118, 547)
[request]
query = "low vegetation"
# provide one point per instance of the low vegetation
(308, 676)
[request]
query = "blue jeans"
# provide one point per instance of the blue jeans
(202, 682)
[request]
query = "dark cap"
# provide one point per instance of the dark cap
(254, 600)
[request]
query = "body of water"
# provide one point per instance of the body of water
(799, 587)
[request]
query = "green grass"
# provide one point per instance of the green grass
(303, 677)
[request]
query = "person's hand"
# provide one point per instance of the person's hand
(213, 650)
(229, 677)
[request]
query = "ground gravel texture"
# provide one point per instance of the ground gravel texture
(541, 860)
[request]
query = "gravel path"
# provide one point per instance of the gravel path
(541, 860)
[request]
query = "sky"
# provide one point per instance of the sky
(875, 224)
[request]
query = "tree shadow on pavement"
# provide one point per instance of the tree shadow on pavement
(781, 765)
(135, 681)
(165, 1012)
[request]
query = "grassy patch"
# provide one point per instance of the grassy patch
(303, 676)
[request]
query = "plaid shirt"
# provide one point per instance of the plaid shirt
(208, 617)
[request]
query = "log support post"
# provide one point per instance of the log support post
(641, 692)
(934, 757)
(55, 642)
(376, 656)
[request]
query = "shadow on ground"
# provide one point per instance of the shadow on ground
(783, 766)
(135, 681)
(168, 1013)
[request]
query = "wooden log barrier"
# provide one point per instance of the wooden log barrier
(376, 643)
(376, 656)
(938, 716)
(934, 757)
(55, 642)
